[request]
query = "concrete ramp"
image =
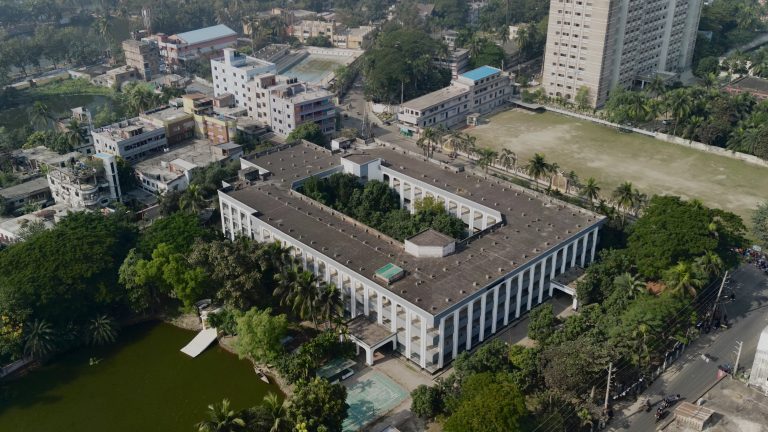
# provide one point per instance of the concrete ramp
(200, 342)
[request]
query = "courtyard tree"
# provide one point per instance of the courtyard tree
(311, 132)
(508, 159)
(582, 98)
(486, 158)
(319, 405)
(482, 409)
(590, 190)
(760, 223)
(298, 290)
(427, 401)
(542, 323)
(259, 335)
(537, 168)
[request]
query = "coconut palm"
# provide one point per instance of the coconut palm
(537, 168)
(629, 284)
(590, 190)
(486, 158)
(656, 87)
(192, 199)
(276, 413)
(329, 303)
(711, 264)
(39, 339)
(679, 104)
(276, 256)
(427, 141)
(299, 291)
(624, 196)
(102, 330)
(641, 355)
(222, 418)
(508, 159)
(639, 201)
(40, 115)
(74, 134)
(684, 278)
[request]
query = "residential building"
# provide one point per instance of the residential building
(175, 169)
(478, 91)
(90, 182)
(144, 56)
(457, 62)
(117, 77)
(131, 139)
(179, 125)
(179, 48)
(217, 128)
(83, 118)
(431, 297)
(31, 192)
(757, 87)
(339, 35)
(603, 44)
(353, 38)
(279, 102)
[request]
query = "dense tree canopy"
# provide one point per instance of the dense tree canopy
(311, 132)
(401, 64)
(319, 405)
(259, 335)
(483, 410)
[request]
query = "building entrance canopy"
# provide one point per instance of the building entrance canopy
(369, 336)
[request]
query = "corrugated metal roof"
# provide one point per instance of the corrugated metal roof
(480, 73)
(206, 34)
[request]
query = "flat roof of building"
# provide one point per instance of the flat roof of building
(534, 225)
(115, 130)
(169, 114)
(206, 34)
(431, 237)
(435, 98)
(197, 153)
(480, 73)
(750, 83)
(29, 187)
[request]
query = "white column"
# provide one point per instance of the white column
(393, 317)
(340, 286)
(565, 256)
(471, 221)
(584, 250)
(470, 307)
(508, 283)
(368, 357)
(573, 255)
(594, 245)
(413, 198)
(316, 267)
(531, 270)
(541, 281)
(519, 294)
(485, 221)
(353, 298)
(441, 343)
(402, 193)
(304, 260)
(495, 313)
(408, 329)
(482, 315)
(456, 333)
(366, 307)
(423, 354)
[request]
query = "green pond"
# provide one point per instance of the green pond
(17, 117)
(142, 383)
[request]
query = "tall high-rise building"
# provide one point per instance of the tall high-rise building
(604, 44)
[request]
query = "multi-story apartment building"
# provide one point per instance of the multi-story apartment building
(478, 91)
(88, 183)
(144, 56)
(431, 297)
(179, 48)
(279, 102)
(603, 44)
(132, 139)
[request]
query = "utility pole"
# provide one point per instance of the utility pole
(717, 299)
(608, 387)
(738, 357)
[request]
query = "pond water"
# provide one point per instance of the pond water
(142, 383)
(17, 117)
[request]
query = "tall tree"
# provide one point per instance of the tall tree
(319, 405)
(222, 418)
(591, 191)
(537, 168)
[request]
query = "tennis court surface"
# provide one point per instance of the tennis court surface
(370, 396)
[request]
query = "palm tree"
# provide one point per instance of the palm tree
(590, 190)
(639, 201)
(692, 126)
(298, 290)
(508, 159)
(629, 283)
(222, 418)
(711, 264)
(74, 134)
(709, 80)
(429, 137)
(40, 114)
(641, 355)
(329, 303)
(276, 256)
(554, 170)
(103, 27)
(102, 330)
(277, 413)
(40, 339)
(624, 196)
(684, 278)
(657, 86)
(192, 199)
(487, 156)
(537, 167)
(680, 105)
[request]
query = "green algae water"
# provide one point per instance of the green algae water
(142, 383)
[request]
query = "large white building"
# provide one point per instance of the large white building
(133, 139)
(90, 182)
(603, 44)
(432, 296)
(478, 91)
(279, 102)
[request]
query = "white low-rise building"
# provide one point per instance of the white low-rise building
(86, 183)
(432, 296)
(478, 91)
(132, 139)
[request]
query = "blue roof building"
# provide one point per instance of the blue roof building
(481, 73)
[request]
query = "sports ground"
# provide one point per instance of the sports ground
(612, 157)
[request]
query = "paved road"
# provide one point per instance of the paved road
(691, 376)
